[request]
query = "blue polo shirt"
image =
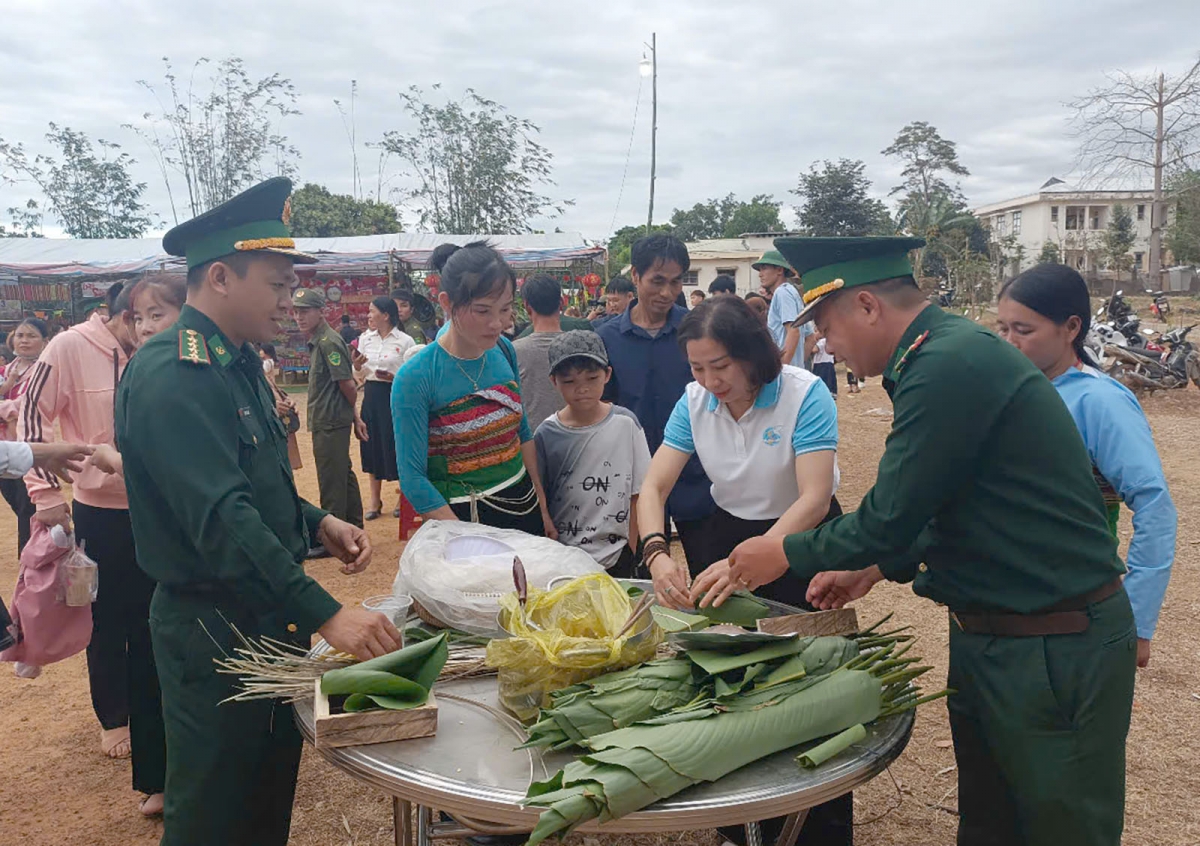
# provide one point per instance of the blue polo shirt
(650, 374)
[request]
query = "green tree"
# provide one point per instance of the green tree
(761, 214)
(316, 213)
(930, 197)
(835, 201)
(26, 222)
(90, 192)
(475, 165)
(929, 163)
(1049, 254)
(728, 217)
(621, 242)
(1183, 235)
(220, 141)
(1119, 238)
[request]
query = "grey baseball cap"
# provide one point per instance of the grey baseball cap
(575, 344)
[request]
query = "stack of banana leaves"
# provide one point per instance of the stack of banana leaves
(726, 701)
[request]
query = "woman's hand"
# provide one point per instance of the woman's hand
(670, 579)
(714, 585)
(384, 375)
(835, 588)
(107, 460)
(1143, 652)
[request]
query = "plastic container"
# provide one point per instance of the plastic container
(396, 607)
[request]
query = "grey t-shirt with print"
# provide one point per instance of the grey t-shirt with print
(591, 474)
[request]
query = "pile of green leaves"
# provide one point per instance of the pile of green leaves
(747, 701)
(397, 681)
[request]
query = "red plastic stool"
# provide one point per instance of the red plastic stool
(410, 521)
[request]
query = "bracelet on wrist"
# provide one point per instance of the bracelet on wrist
(645, 539)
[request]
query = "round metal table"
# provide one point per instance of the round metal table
(471, 770)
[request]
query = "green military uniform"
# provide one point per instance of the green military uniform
(413, 328)
(330, 416)
(219, 525)
(985, 500)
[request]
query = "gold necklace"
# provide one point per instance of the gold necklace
(474, 381)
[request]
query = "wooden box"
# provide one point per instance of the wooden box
(363, 727)
(841, 621)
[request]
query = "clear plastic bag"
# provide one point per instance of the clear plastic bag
(78, 576)
(565, 636)
(458, 571)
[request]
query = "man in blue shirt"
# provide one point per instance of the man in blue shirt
(774, 273)
(650, 371)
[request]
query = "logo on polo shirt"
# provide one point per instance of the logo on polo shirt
(771, 436)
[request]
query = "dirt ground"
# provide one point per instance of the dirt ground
(57, 788)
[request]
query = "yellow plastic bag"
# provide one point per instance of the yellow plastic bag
(565, 636)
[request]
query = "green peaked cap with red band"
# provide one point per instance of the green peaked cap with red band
(829, 265)
(256, 220)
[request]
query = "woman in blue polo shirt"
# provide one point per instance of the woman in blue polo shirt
(1045, 313)
(765, 433)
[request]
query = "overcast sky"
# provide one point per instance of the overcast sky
(750, 93)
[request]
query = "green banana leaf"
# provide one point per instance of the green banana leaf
(670, 620)
(740, 609)
(630, 768)
(838, 743)
(398, 680)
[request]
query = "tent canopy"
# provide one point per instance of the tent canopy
(74, 257)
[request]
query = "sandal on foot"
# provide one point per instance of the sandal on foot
(396, 512)
(371, 515)
(117, 746)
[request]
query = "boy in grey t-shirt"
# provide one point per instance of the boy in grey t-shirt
(592, 456)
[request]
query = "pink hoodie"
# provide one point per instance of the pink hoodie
(74, 383)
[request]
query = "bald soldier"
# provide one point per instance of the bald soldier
(985, 501)
(219, 526)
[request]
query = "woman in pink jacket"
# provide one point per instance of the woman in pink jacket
(74, 385)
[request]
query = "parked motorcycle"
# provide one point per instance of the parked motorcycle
(1140, 369)
(1161, 306)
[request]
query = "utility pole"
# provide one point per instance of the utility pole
(1157, 211)
(654, 124)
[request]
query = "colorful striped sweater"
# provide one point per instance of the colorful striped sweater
(453, 439)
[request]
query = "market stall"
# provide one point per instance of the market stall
(56, 278)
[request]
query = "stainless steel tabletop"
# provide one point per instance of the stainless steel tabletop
(470, 768)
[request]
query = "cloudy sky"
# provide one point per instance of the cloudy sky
(750, 93)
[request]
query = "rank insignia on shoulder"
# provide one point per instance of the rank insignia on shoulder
(217, 345)
(192, 347)
(916, 345)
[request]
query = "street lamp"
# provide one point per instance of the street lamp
(649, 67)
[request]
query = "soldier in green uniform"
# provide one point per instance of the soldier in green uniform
(985, 500)
(219, 526)
(332, 409)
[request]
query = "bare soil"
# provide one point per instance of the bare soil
(57, 788)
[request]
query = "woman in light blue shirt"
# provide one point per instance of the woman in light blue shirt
(1045, 312)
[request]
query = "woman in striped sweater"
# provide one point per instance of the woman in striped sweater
(465, 450)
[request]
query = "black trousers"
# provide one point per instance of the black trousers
(120, 658)
(17, 496)
(830, 824)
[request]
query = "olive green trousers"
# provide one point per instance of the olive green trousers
(1039, 726)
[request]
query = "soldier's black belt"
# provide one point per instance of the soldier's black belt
(1067, 617)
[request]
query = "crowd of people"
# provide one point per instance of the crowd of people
(716, 425)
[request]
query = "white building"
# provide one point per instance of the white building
(729, 256)
(1072, 220)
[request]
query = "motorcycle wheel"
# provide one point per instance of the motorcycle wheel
(1192, 366)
